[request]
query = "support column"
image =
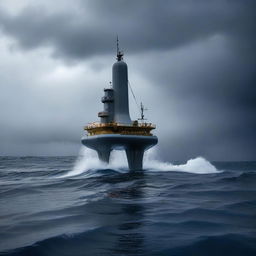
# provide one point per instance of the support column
(135, 157)
(104, 154)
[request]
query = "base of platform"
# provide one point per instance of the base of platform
(134, 146)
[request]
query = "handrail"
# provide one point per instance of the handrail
(97, 124)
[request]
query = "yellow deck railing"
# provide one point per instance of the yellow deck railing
(135, 128)
(97, 124)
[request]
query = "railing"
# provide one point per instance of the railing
(107, 99)
(103, 114)
(97, 124)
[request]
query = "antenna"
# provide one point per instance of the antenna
(119, 54)
(142, 109)
(117, 45)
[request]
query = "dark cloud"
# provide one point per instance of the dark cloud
(197, 57)
(142, 25)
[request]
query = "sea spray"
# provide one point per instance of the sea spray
(88, 160)
(198, 165)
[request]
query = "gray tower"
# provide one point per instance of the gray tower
(115, 129)
(120, 86)
(107, 116)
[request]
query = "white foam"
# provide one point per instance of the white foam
(88, 160)
(198, 165)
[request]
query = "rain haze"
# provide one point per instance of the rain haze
(192, 63)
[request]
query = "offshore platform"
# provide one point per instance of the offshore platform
(116, 130)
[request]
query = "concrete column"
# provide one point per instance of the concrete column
(104, 154)
(135, 157)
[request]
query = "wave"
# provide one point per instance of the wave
(85, 243)
(88, 160)
(198, 165)
(227, 244)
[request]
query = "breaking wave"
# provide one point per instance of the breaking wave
(88, 160)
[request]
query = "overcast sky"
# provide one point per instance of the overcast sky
(192, 63)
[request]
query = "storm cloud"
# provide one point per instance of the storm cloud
(191, 62)
(143, 25)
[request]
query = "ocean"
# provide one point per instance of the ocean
(78, 206)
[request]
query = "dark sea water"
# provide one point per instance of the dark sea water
(64, 206)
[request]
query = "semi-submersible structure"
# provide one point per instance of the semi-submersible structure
(116, 130)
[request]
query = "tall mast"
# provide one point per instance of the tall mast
(119, 54)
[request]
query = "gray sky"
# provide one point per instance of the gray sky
(192, 63)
